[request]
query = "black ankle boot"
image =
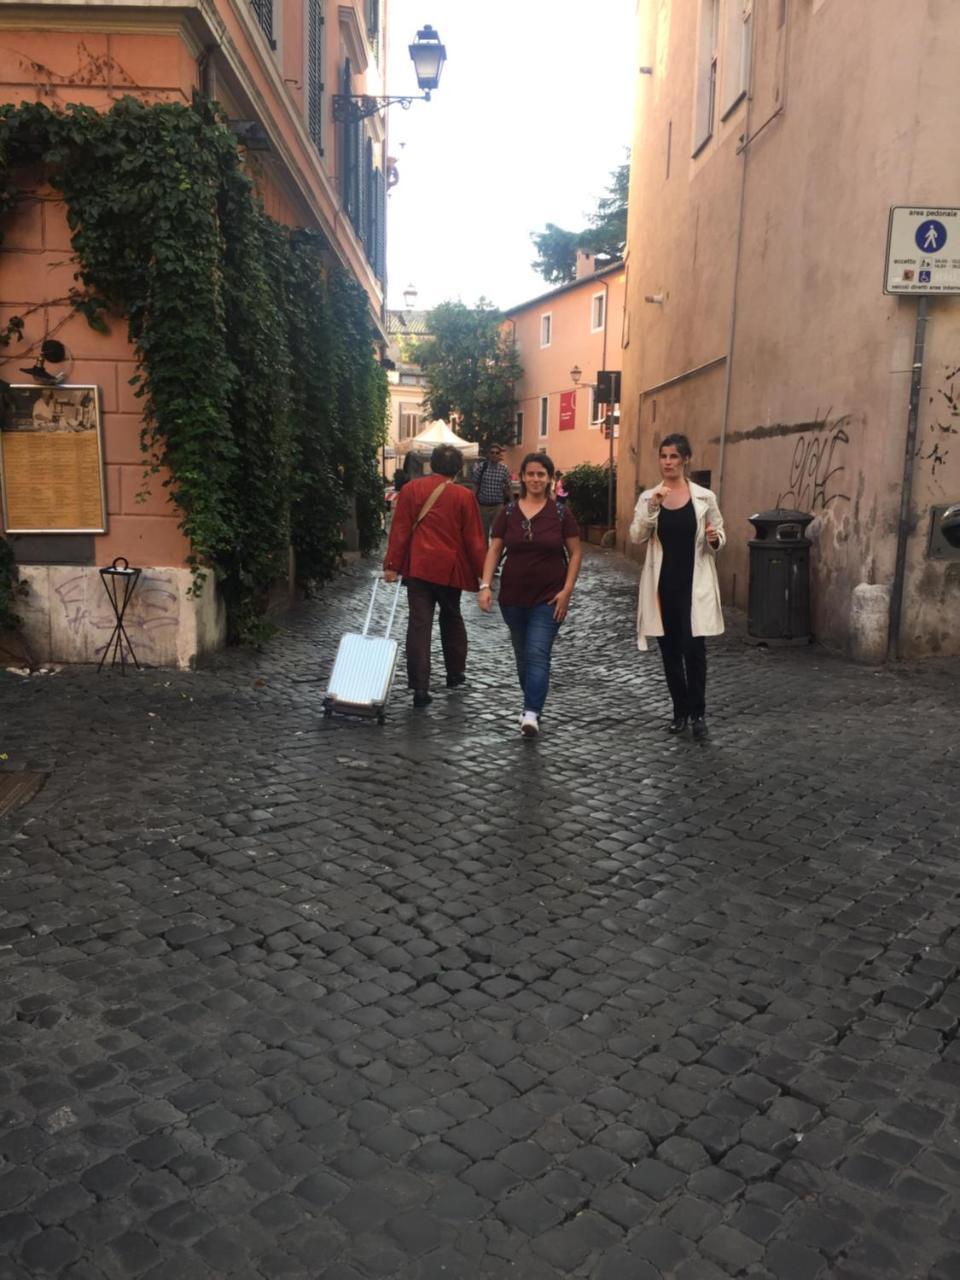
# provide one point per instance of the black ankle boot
(699, 726)
(677, 724)
(421, 698)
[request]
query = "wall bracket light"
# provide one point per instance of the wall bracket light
(428, 56)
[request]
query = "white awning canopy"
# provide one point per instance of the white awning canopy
(437, 433)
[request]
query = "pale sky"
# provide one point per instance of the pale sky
(534, 109)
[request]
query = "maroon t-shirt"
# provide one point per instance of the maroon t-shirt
(536, 565)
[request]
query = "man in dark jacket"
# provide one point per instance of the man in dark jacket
(437, 546)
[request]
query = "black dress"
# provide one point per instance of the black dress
(684, 655)
(677, 531)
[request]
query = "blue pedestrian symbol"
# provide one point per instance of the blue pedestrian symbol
(931, 236)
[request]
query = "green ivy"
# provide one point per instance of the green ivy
(588, 486)
(10, 588)
(261, 393)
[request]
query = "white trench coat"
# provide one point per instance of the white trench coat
(706, 615)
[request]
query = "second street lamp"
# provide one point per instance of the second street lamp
(428, 56)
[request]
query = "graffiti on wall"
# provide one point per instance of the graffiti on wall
(946, 422)
(815, 478)
(153, 615)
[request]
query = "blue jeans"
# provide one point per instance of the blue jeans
(532, 632)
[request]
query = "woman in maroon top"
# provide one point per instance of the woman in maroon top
(543, 559)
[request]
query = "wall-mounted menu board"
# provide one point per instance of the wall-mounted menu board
(51, 461)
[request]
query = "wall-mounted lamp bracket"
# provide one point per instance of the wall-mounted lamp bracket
(357, 106)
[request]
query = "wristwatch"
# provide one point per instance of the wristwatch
(484, 586)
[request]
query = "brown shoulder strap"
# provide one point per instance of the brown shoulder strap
(434, 495)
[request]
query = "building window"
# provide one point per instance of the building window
(736, 53)
(544, 412)
(518, 427)
(598, 312)
(546, 330)
(706, 107)
(373, 26)
(263, 12)
(410, 421)
(315, 72)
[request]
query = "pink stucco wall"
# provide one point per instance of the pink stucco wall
(546, 369)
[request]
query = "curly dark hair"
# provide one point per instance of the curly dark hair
(446, 460)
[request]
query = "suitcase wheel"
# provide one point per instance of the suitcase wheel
(381, 717)
(327, 708)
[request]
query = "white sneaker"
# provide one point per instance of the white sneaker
(529, 724)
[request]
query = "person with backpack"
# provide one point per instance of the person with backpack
(436, 546)
(542, 543)
(493, 485)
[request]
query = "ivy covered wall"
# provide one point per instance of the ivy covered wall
(262, 398)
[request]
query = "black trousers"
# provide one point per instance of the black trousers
(422, 598)
(685, 666)
(684, 655)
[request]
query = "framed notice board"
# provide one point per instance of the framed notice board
(51, 461)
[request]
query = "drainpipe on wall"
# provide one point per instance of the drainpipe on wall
(611, 496)
(728, 371)
(746, 139)
(206, 74)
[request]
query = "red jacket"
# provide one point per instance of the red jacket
(448, 546)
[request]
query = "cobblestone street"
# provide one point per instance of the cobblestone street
(290, 997)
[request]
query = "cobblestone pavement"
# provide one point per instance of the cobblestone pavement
(286, 997)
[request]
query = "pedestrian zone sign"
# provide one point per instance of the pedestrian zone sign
(923, 251)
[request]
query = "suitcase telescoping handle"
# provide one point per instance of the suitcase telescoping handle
(393, 608)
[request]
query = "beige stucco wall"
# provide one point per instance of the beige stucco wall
(855, 104)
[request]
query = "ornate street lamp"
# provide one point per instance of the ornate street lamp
(428, 56)
(410, 295)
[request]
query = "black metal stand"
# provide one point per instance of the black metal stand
(119, 585)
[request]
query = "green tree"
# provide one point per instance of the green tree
(605, 234)
(471, 365)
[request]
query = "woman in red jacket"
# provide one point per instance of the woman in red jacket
(437, 546)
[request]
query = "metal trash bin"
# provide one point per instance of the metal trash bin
(779, 599)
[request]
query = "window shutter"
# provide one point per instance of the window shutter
(263, 10)
(346, 148)
(367, 229)
(380, 265)
(315, 73)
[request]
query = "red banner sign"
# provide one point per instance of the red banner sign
(568, 410)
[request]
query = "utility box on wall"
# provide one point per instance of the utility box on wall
(938, 547)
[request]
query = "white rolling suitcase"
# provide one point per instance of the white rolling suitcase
(363, 670)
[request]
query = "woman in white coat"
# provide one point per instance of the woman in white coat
(679, 593)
